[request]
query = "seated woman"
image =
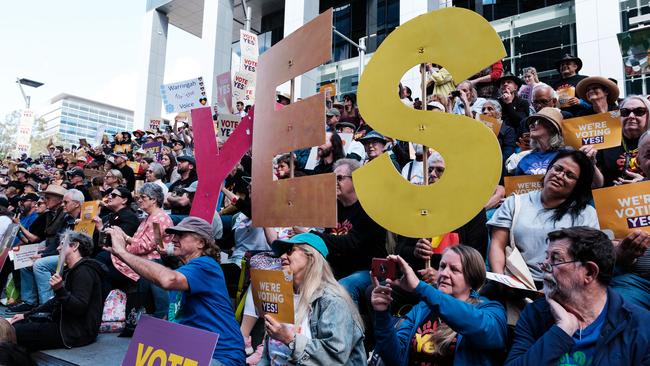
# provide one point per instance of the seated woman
(328, 329)
(142, 244)
(546, 139)
(76, 308)
(450, 325)
(562, 202)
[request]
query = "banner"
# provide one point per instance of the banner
(159, 342)
(183, 95)
(491, 123)
(225, 125)
(273, 294)
(154, 124)
(601, 130)
(624, 208)
(521, 184)
(153, 149)
(24, 133)
(240, 83)
(89, 210)
(23, 255)
(248, 44)
(224, 93)
(249, 65)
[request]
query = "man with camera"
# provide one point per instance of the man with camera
(122, 216)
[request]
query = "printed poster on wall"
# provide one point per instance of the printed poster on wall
(521, 184)
(273, 294)
(602, 130)
(183, 95)
(624, 208)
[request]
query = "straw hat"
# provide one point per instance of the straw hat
(552, 116)
(612, 88)
(55, 190)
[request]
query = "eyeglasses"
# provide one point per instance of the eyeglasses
(548, 267)
(542, 101)
(342, 177)
(639, 111)
(557, 169)
(113, 195)
(438, 170)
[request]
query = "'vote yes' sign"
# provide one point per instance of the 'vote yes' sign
(624, 208)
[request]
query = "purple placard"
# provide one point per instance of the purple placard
(159, 342)
(154, 148)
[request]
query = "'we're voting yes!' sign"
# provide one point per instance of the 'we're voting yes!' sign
(184, 95)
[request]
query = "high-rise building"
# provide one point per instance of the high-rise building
(71, 118)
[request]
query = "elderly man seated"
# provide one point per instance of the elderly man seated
(580, 321)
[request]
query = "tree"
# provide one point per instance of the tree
(8, 132)
(38, 140)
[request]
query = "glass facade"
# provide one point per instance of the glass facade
(499, 9)
(634, 15)
(80, 119)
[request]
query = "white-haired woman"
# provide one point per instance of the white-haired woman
(546, 140)
(328, 329)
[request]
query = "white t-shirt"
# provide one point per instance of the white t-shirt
(533, 225)
(279, 353)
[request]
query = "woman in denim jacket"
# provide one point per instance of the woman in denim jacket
(450, 325)
(328, 329)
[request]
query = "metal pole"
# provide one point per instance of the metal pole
(362, 55)
(247, 14)
(25, 96)
(292, 163)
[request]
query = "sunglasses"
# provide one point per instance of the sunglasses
(113, 195)
(639, 111)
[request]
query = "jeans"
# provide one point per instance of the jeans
(35, 281)
(356, 284)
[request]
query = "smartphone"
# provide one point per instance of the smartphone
(384, 269)
(455, 93)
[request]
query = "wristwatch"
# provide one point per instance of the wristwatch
(292, 344)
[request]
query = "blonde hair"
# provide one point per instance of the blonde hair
(532, 71)
(318, 276)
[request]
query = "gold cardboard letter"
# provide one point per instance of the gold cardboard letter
(471, 151)
(307, 201)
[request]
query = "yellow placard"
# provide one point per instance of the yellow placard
(473, 168)
(134, 165)
(602, 130)
(624, 208)
(491, 123)
(521, 184)
(273, 294)
(89, 210)
(564, 95)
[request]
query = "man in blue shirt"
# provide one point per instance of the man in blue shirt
(198, 294)
(580, 322)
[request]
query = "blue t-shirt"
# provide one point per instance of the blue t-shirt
(206, 305)
(535, 163)
(584, 348)
(26, 222)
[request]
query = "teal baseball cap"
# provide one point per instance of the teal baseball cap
(282, 246)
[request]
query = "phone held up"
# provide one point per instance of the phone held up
(384, 269)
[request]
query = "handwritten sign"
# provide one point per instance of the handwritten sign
(225, 125)
(159, 342)
(624, 208)
(23, 255)
(521, 184)
(89, 210)
(491, 123)
(240, 83)
(183, 95)
(224, 93)
(602, 130)
(153, 149)
(154, 124)
(248, 44)
(273, 294)
(564, 95)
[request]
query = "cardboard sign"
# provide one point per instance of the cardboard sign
(624, 208)
(564, 94)
(134, 165)
(240, 83)
(183, 95)
(154, 124)
(224, 93)
(602, 130)
(509, 281)
(423, 210)
(99, 135)
(23, 255)
(154, 149)
(248, 44)
(521, 184)
(89, 210)
(122, 148)
(65, 243)
(159, 342)
(273, 294)
(328, 89)
(213, 164)
(226, 125)
(491, 123)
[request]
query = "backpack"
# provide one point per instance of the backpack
(114, 313)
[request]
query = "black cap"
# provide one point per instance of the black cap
(76, 173)
(29, 197)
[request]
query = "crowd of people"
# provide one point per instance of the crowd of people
(588, 302)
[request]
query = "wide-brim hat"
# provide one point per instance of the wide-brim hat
(568, 57)
(510, 76)
(552, 116)
(282, 246)
(373, 135)
(55, 190)
(612, 89)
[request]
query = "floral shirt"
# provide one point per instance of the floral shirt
(143, 244)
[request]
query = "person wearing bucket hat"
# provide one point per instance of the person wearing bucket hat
(375, 144)
(198, 295)
(322, 305)
(568, 67)
(546, 139)
(601, 92)
(513, 108)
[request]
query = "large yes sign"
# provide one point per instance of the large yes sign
(471, 151)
